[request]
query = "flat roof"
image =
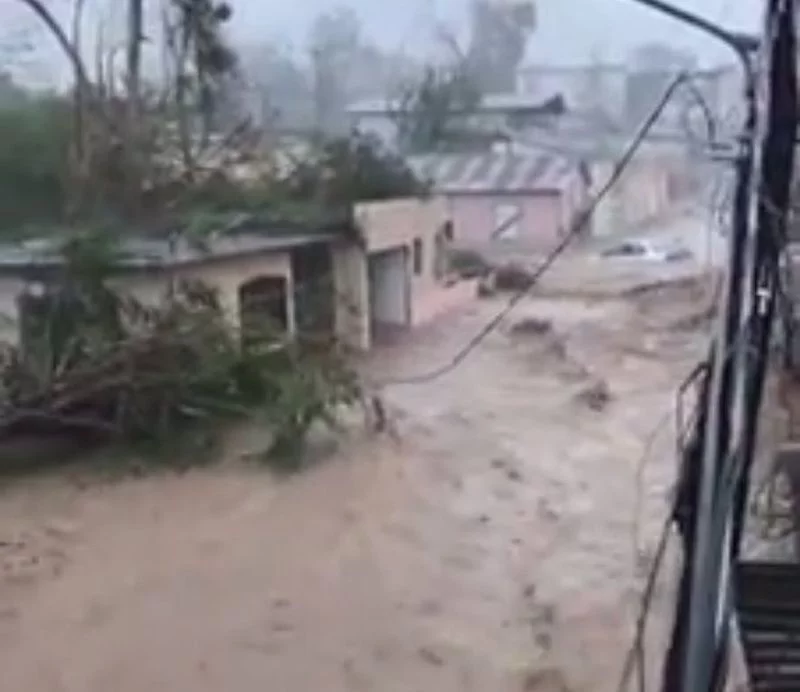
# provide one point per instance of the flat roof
(489, 103)
(146, 253)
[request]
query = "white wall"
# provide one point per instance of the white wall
(389, 286)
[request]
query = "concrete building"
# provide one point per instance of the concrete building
(525, 200)
(397, 277)
(387, 274)
(661, 175)
(623, 94)
(496, 113)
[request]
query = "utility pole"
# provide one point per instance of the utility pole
(134, 57)
(318, 90)
(703, 604)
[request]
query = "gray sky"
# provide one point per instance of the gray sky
(569, 32)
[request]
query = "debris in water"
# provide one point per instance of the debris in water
(544, 640)
(514, 475)
(430, 656)
(547, 680)
(487, 286)
(512, 277)
(596, 396)
(532, 326)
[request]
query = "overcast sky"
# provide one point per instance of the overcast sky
(569, 31)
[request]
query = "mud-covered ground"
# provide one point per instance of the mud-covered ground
(496, 540)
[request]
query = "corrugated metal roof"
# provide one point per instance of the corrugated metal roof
(494, 172)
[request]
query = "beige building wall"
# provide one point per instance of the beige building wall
(646, 191)
(386, 226)
(226, 276)
(351, 284)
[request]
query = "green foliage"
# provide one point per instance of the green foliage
(499, 38)
(432, 112)
(98, 363)
(198, 33)
(348, 170)
(34, 157)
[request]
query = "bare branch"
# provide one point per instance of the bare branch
(38, 8)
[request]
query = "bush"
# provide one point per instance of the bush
(94, 362)
(34, 151)
(469, 264)
(513, 277)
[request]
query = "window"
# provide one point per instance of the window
(416, 257)
(506, 221)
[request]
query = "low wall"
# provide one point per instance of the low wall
(430, 302)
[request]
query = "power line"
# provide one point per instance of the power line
(575, 229)
(635, 657)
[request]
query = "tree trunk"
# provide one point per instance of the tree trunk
(39, 9)
(135, 30)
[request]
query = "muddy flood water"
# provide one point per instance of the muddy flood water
(497, 540)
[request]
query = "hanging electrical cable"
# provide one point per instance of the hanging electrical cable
(717, 460)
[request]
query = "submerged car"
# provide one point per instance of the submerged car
(648, 251)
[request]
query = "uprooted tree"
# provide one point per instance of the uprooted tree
(98, 364)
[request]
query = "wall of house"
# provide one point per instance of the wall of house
(351, 285)
(542, 216)
(388, 226)
(226, 276)
(648, 189)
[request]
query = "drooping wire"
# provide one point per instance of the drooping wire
(635, 656)
(570, 235)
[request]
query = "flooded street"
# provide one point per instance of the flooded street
(497, 541)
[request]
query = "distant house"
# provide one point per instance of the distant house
(387, 274)
(661, 175)
(596, 88)
(499, 113)
(623, 94)
(528, 199)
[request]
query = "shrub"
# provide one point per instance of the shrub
(95, 362)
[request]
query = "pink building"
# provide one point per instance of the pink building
(527, 200)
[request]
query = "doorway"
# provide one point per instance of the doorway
(389, 293)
